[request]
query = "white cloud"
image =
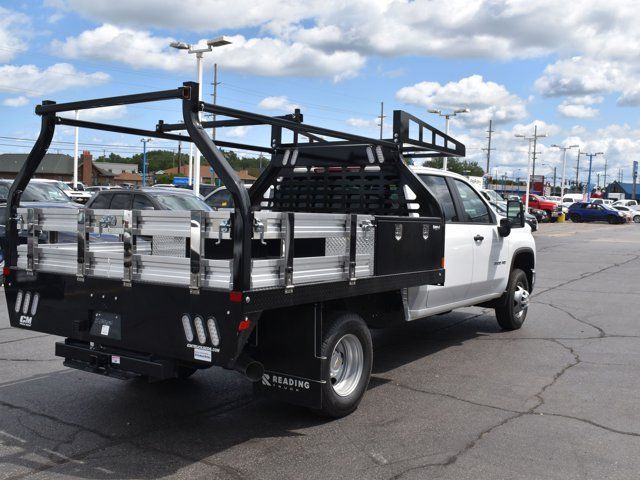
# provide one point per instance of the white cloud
(280, 103)
(238, 132)
(581, 76)
(486, 100)
(577, 111)
(14, 31)
(100, 113)
(20, 101)
(363, 122)
(34, 82)
(259, 56)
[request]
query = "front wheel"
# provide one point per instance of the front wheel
(636, 219)
(575, 218)
(514, 303)
(347, 347)
(611, 219)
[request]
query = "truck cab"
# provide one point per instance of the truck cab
(535, 201)
(480, 260)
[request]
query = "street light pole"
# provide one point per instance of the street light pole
(529, 172)
(447, 116)
(144, 160)
(564, 164)
(75, 155)
(199, 51)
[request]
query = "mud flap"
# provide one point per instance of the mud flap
(288, 345)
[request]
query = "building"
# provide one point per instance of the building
(622, 188)
(206, 175)
(56, 166)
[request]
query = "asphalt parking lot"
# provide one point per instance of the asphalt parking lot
(451, 397)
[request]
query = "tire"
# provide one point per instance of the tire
(575, 218)
(636, 219)
(346, 344)
(611, 219)
(512, 309)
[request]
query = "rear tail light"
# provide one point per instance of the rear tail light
(18, 301)
(27, 301)
(186, 325)
(34, 303)
(213, 331)
(202, 336)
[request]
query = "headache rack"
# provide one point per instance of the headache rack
(330, 207)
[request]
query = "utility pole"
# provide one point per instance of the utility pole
(381, 117)
(179, 158)
(215, 98)
(554, 180)
(597, 180)
(535, 142)
(605, 173)
(590, 155)
(578, 168)
(144, 160)
(490, 131)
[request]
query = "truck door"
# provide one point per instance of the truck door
(458, 253)
(490, 250)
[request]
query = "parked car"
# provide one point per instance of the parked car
(592, 212)
(540, 215)
(531, 220)
(492, 196)
(571, 198)
(75, 195)
(147, 199)
(80, 187)
(601, 201)
(221, 198)
(634, 215)
(536, 201)
(625, 203)
(99, 188)
(36, 195)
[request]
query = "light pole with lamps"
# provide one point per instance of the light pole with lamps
(564, 164)
(199, 50)
(144, 160)
(447, 116)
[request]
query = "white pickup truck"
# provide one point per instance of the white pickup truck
(484, 267)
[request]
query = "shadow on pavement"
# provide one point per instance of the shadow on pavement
(93, 427)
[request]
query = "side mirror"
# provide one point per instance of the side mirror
(515, 213)
(504, 229)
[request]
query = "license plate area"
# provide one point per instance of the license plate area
(106, 325)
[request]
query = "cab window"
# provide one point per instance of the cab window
(437, 185)
(101, 201)
(121, 201)
(140, 202)
(474, 209)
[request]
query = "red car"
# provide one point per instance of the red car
(535, 201)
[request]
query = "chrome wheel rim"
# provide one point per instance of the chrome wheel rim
(520, 301)
(347, 364)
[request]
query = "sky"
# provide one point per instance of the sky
(571, 68)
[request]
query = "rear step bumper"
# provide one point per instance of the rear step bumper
(82, 357)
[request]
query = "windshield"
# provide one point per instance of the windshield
(63, 186)
(180, 202)
(44, 192)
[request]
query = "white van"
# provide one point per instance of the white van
(571, 198)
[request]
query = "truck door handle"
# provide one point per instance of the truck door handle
(478, 238)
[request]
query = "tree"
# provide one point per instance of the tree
(457, 165)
